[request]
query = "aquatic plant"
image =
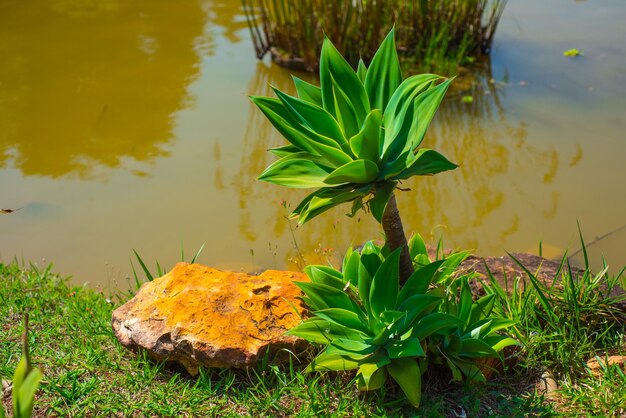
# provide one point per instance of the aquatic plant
(435, 35)
(356, 137)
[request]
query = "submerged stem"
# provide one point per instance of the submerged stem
(394, 233)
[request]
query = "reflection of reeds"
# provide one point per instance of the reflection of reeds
(434, 35)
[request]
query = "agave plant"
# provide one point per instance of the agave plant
(370, 323)
(356, 137)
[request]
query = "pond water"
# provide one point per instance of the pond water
(126, 125)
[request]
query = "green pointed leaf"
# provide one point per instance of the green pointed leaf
(419, 281)
(284, 123)
(333, 362)
(320, 331)
(379, 202)
(417, 246)
(426, 163)
(415, 306)
(295, 173)
(364, 284)
(482, 308)
(320, 203)
(426, 105)
(465, 302)
(336, 76)
(361, 71)
(325, 275)
(376, 381)
(285, 150)
(410, 347)
(314, 118)
(343, 317)
(373, 364)
(395, 119)
(499, 342)
(357, 171)
(384, 75)
(27, 391)
(384, 288)
(371, 258)
(307, 91)
(406, 373)
(432, 323)
(325, 297)
(367, 142)
(352, 346)
(474, 348)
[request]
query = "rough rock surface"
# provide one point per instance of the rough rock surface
(199, 316)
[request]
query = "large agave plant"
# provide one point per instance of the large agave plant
(356, 136)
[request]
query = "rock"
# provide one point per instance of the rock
(597, 366)
(547, 385)
(199, 316)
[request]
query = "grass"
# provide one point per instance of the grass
(431, 35)
(88, 373)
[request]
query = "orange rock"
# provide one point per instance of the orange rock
(199, 316)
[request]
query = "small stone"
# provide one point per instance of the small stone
(547, 385)
(200, 316)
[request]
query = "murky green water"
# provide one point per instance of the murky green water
(127, 125)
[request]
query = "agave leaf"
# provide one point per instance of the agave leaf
(314, 118)
(465, 302)
(384, 288)
(414, 307)
(285, 150)
(351, 346)
(426, 105)
(370, 366)
(346, 113)
(307, 91)
(364, 284)
(284, 123)
(325, 275)
(318, 205)
(417, 246)
(357, 171)
(26, 393)
(343, 317)
(419, 281)
(426, 163)
(295, 173)
(410, 347)
(324, 297)
(406, 373)
(377, 380)
(366, 143)
(317, 330)
(384, 74)
(432, 323)
(474, 348)
(450, 264)
(333, 362)
(482, 308)
(472, 371)
(397, 124)
(361, 71)
(499, 342)
(381, 198)
(21, 371)
(371, 258)
(336, 75)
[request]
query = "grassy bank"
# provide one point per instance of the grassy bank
(87, 373)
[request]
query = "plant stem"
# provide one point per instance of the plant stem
(394, 234)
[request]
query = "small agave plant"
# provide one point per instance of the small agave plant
(370, 323)
(356, 137)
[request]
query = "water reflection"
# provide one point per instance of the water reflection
(93, 82)
(497, 184)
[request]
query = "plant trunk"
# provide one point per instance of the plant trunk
(394, 234)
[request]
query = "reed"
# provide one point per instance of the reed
(431, 35)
